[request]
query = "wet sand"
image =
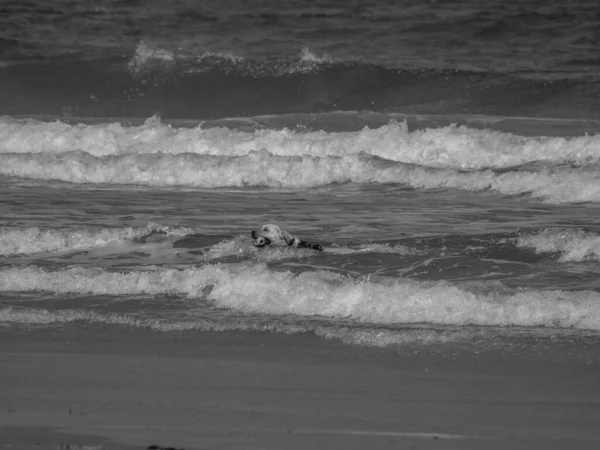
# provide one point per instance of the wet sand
(101, 388)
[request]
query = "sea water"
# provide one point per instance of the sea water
(447, 159)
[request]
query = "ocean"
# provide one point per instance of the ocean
(444, 153)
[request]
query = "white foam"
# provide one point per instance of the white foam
(265, 169)
(147, 53)
(352, 335)
(112, 241)
(31, 136)
(149, 56)
(255, 289)
(155, 154)
(310, 56)
(397, 249)
(243, 246)
(456, 147)
(572, 244)
(15, 241)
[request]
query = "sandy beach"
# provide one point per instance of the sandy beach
(114, 390)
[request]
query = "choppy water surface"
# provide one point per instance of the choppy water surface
(135, 161)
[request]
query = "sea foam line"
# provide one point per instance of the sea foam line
(456, 147)
(15, 241)
(255, 289)
(263, 169)
(350, 335)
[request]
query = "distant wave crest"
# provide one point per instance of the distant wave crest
(152, 58)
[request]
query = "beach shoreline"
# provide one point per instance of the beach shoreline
(111, 389)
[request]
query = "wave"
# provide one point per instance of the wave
(19, 241)
(356, 335)
(458, 147)
(256, 289)
(218, 84)
(263, 169)
(555, 169)
(155, 240)
(146, 54)
(149, 58)
(573, 245)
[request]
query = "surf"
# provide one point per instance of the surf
(554, 169)
(256, 289)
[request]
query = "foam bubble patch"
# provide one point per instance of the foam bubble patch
(14, 241)
(573, 244)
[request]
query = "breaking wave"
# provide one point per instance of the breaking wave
(256, 289)
(19, 241)
(573, 245)
(554, 169)
(152, 58)
(457, 147)
(263, 169)
(366, 336)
